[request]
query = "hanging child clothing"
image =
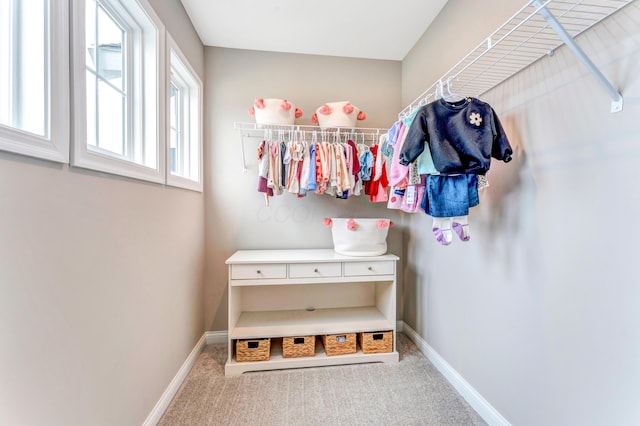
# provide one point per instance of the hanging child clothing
(338, 168)
(462, 136)
(312, 185)
(453, 142)
(304, 171)
(449, 196)
(405, 181)
(263, 171)
(376, 187)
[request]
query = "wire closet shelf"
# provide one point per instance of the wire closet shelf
(536, 30)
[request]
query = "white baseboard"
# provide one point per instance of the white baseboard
(482, 407)
(156, 414)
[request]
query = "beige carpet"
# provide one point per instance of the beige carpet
(411, 392)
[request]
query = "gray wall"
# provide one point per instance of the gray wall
(100, 285)
(539, 311)
(236, 215)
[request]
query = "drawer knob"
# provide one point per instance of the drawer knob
(316, 270)
(370, 268)
(258, 271)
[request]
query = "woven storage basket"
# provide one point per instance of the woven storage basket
(298, 346)
(339, 344)
(376, 342)
(253, 349)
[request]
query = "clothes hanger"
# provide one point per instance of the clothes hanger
(450, 95)
(439, 90)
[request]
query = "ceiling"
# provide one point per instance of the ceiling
(352, 28)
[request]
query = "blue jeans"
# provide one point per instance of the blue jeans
(449, 196)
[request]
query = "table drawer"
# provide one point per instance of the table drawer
(256, 271)
(315, 270)
(352, 269)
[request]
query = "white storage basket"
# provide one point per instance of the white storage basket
(338, 114)
(274, 111)
(359, 236)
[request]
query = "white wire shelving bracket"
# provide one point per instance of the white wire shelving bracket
(289, 131)
(536, 30)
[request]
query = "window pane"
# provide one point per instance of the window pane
(90, 34)
(91, 109)
(110, 55)
(24, 66)
(5, 62)
(173, 107)
(33, 66)
(32, 74)
(184, 145)
(175, 143)
(173, 152)
(105, 95)
(110, 122)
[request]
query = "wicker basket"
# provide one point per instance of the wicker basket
(339, 344)
(376, 342)
(253, 349)
(298, 346)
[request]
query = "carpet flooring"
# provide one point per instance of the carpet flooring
(411, 392)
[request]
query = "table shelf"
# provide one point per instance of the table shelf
(302, 322)
(286, 293)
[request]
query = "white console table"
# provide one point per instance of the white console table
(283, 293)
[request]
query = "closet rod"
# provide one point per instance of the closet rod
(255, 130)
(307, 128)
(616, 97)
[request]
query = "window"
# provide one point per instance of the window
(184, 124)
(107, 101)
(25, 73)
(34, 82)
(129, 95)
(117, 73)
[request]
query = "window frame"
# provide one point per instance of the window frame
(146, 114)
(54, 144)
(191, 127)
